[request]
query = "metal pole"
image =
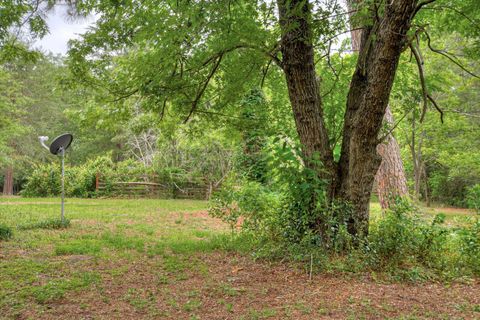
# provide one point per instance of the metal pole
(63, 186)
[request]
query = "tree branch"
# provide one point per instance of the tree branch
(443, 53)
(421, 75)
(422, 4)
(205, 85)
(265, 71)
(393, 127)
(426, 95)
(436, 106)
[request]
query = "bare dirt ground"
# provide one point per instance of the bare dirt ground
(223, 286)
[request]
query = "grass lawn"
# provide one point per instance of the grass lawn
(167, 259)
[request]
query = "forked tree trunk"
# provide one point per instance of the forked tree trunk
(390, 180)
(8, 182)
(351, 179)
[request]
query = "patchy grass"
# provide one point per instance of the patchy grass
(453, 216)
(167, 259)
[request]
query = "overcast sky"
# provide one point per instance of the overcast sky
(62, 29)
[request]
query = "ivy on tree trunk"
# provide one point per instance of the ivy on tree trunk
(382, 41)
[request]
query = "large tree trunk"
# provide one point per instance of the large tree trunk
(352, 178)
(380, 49)
(8, 182)
(390, 179)
(303, 88)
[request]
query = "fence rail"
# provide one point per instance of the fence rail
(151, 187)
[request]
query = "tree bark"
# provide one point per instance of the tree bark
(380, 49)
(382, 42)
(390, 179)
(8, 182)
(303, 88)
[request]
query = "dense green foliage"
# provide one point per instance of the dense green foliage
(123, 103)
(473, 197)
(44, 180)
(402, 242)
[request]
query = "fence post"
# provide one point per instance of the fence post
(97, 181)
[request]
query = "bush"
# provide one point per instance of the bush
(469, 245)
(247, 200)
(450, 182)
(6, 232)
(392, 239)
(473, 197)
(45, 180)
(401, 239)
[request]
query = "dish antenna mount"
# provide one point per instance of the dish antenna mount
(58, 147)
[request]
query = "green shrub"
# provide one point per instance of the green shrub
(451, 185)
(248, 200)
(473, 197)
(44, 181)
(47, 224)
(6, 232)
(393, 239)
(432, 250)
(469, 245)
(402, 239)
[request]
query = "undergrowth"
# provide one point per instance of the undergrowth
(402, 244)
(285, 223)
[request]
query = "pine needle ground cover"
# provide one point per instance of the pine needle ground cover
(167, 259)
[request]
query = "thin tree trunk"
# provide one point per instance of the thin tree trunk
(416, 156)
(425, 181)
(8, 182)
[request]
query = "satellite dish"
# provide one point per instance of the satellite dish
(61, 143)
(59, 146)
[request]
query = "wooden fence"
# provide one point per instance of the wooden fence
(151, 187)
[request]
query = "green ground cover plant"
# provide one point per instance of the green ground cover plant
(5, 232)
